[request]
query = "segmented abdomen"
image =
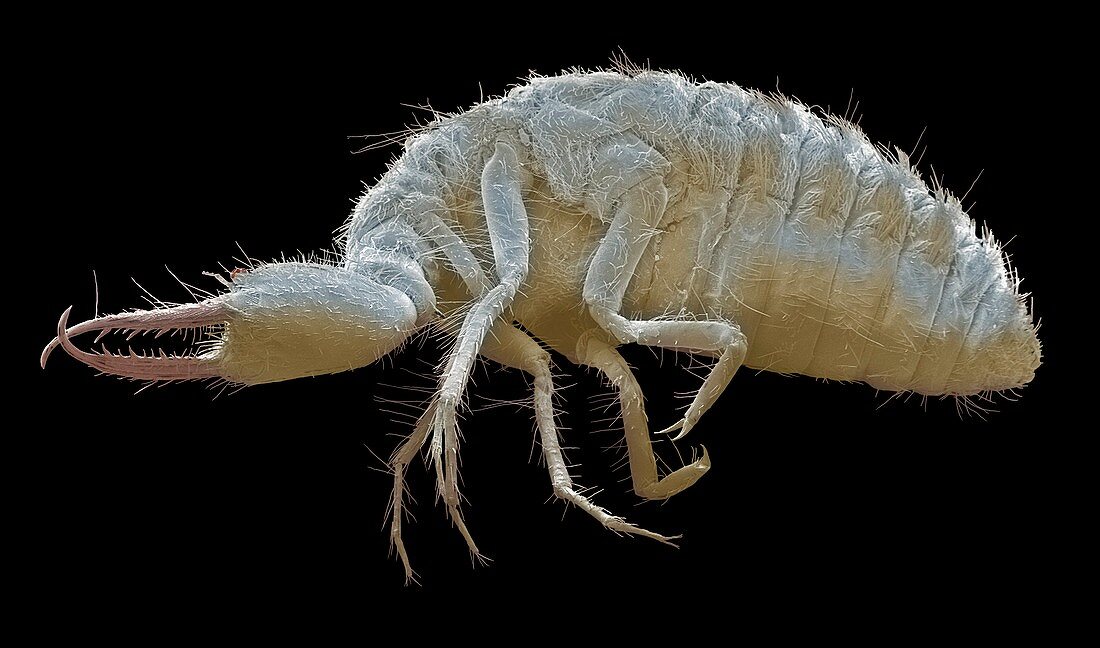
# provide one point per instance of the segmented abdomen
(833, 256)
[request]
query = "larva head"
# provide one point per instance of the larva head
(277, 322)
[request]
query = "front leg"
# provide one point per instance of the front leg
(506, 220)
(638, 212)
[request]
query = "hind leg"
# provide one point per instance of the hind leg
(600, 355)
(512, 347)
(636, 213)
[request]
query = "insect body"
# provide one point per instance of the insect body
(611, 208)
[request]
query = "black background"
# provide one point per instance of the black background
(169, 146)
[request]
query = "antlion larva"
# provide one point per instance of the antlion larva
(630, 206)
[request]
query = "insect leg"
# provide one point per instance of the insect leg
(467, 267)
(458, 253)
(598, 354)
(513, 348)
(398, 462)
(639, 210)
(506, 220)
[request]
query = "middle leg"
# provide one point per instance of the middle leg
(512, 347)
(600, 355)
(637, 213)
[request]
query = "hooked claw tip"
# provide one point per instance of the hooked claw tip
(672, 428)
(683, 432)
(61, 326)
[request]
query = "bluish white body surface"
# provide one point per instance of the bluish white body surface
(627, 207)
